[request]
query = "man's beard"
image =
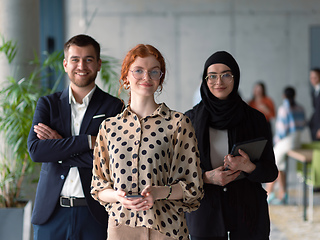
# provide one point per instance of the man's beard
(84, 83)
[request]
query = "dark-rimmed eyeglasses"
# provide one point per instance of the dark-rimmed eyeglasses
(139, 74)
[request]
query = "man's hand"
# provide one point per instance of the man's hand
(93, 141)
(44, 132)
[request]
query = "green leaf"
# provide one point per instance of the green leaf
(9, 48)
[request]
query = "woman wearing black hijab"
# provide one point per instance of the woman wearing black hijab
(235, 203)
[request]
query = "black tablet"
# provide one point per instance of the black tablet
(253, 148)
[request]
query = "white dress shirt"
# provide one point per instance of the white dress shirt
(72, 186)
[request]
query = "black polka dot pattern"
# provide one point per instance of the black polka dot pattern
(160, 149)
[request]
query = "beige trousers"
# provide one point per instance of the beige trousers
(123, 232)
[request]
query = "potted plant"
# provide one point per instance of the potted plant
(18, 99)
(17, 104)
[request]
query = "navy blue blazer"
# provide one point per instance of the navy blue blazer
(55, 111)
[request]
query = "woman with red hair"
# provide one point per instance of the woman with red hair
(146, 169)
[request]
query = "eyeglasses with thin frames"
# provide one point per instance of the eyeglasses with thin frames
(212, 78)
(139, 74)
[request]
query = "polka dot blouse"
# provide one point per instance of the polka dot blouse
(160, 149)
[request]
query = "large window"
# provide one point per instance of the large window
(314, 46)
(51, 33)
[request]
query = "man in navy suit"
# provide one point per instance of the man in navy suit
(62, 137)
(314, 123)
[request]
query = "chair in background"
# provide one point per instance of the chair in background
(313, 172)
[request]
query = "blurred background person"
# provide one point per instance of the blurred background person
(314, 123)
(289, 125)
(262, 102)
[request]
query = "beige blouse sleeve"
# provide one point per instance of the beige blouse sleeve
(185, 167)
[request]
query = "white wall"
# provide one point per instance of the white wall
(269, 39)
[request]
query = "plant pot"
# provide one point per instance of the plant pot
(15, 223)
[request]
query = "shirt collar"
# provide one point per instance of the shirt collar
(163, 111)
(85, 100)
(317, 87)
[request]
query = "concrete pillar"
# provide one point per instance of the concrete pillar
(19, 21)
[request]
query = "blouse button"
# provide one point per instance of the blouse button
(225, 189)
(136, 142)
(62, 177)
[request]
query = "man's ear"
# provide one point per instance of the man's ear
(65, 63)
(99, 63)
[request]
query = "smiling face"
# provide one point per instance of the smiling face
(144, 87)
(221, 89)
(81, 65)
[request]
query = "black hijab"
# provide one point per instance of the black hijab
(223, 114)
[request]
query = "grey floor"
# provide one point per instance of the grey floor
(294, 187)
(276, 234)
